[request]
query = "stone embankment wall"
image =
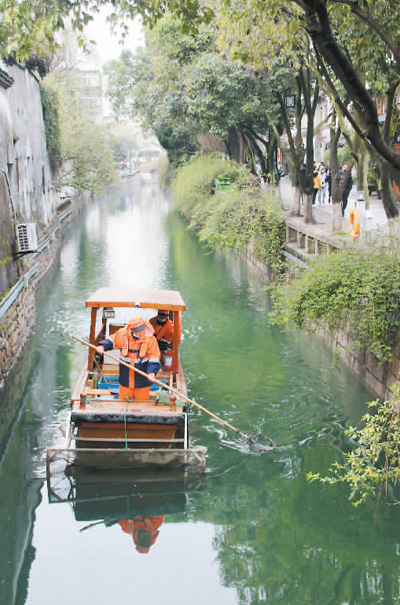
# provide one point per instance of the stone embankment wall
(27, 195)
(26, 190)
(18, 306)
(376, 376)
(15, 325)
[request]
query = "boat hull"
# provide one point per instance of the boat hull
(116, 458)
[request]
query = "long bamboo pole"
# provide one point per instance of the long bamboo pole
(171, 389)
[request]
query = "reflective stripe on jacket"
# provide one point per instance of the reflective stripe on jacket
(144, 354)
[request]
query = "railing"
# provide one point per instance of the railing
(13, 294)
(23, 282)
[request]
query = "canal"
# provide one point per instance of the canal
(252, 529)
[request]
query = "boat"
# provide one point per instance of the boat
(105, 432)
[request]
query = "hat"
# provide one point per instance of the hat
(143, 541)
(136, 324)
(163, 312)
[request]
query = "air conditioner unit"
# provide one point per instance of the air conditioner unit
(26, 237)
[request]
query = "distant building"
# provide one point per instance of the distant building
(321, 128)
(88, 86)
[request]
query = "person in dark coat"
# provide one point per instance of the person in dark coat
(347, 188)
(329, 183)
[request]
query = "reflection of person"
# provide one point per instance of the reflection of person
(163, 330)
(139, 347)
(144, 531)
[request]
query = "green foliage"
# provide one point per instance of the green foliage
(237, 218)
(357, 289)
(181, 86)
(87, 152)
(165, 173)
(374, 464)
(52, 126)
(344, 155)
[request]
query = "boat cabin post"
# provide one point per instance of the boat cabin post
(92, 336)
(176, 342)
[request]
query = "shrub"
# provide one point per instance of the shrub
(374, 463)
(241, 216)
(358, 288)
(52, 126)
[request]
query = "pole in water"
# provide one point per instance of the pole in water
(254, 441)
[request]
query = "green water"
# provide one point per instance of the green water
(252, 529)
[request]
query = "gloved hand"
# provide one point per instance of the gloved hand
(98, 358)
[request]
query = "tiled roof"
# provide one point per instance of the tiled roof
(5, 80)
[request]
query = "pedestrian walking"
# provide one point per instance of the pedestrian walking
(317, 184)
(322, 191)
(347, 187)
(329, 184)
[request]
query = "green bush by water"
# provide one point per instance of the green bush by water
(356, 290)
(240, 217)
(374, 464)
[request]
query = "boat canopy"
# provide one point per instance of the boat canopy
(138, 298)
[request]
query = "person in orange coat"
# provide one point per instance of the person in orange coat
(139, 348)
(163, 330)
(317, 184)
(144, 531)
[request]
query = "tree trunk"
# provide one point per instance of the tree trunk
(235, 145)
(337, 221)
(307, 208)
(295, 199)
(334, 174)
(388, 198)
(320, 31)
(365, 160)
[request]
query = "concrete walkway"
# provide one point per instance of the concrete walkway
(323, 212)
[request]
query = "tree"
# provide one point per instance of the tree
(182, 87)
(87, 159)
(29, 26)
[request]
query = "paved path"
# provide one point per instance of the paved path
(323, 212)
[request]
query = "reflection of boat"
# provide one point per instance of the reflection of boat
(135, 500)
(118, 494)
(105, 431)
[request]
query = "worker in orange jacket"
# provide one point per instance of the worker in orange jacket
(144, 531)
(139, 348)
(163, 330)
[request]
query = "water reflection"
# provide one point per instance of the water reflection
(253, 530)
(138, 503)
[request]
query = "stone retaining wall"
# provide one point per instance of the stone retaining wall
(15, 327)
(17, 322)
(377, 377)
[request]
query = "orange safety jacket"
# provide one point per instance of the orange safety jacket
(150, 525)
(163, 332)
(143, 354)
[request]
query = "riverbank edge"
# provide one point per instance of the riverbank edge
(18, 306)
(378, 377)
